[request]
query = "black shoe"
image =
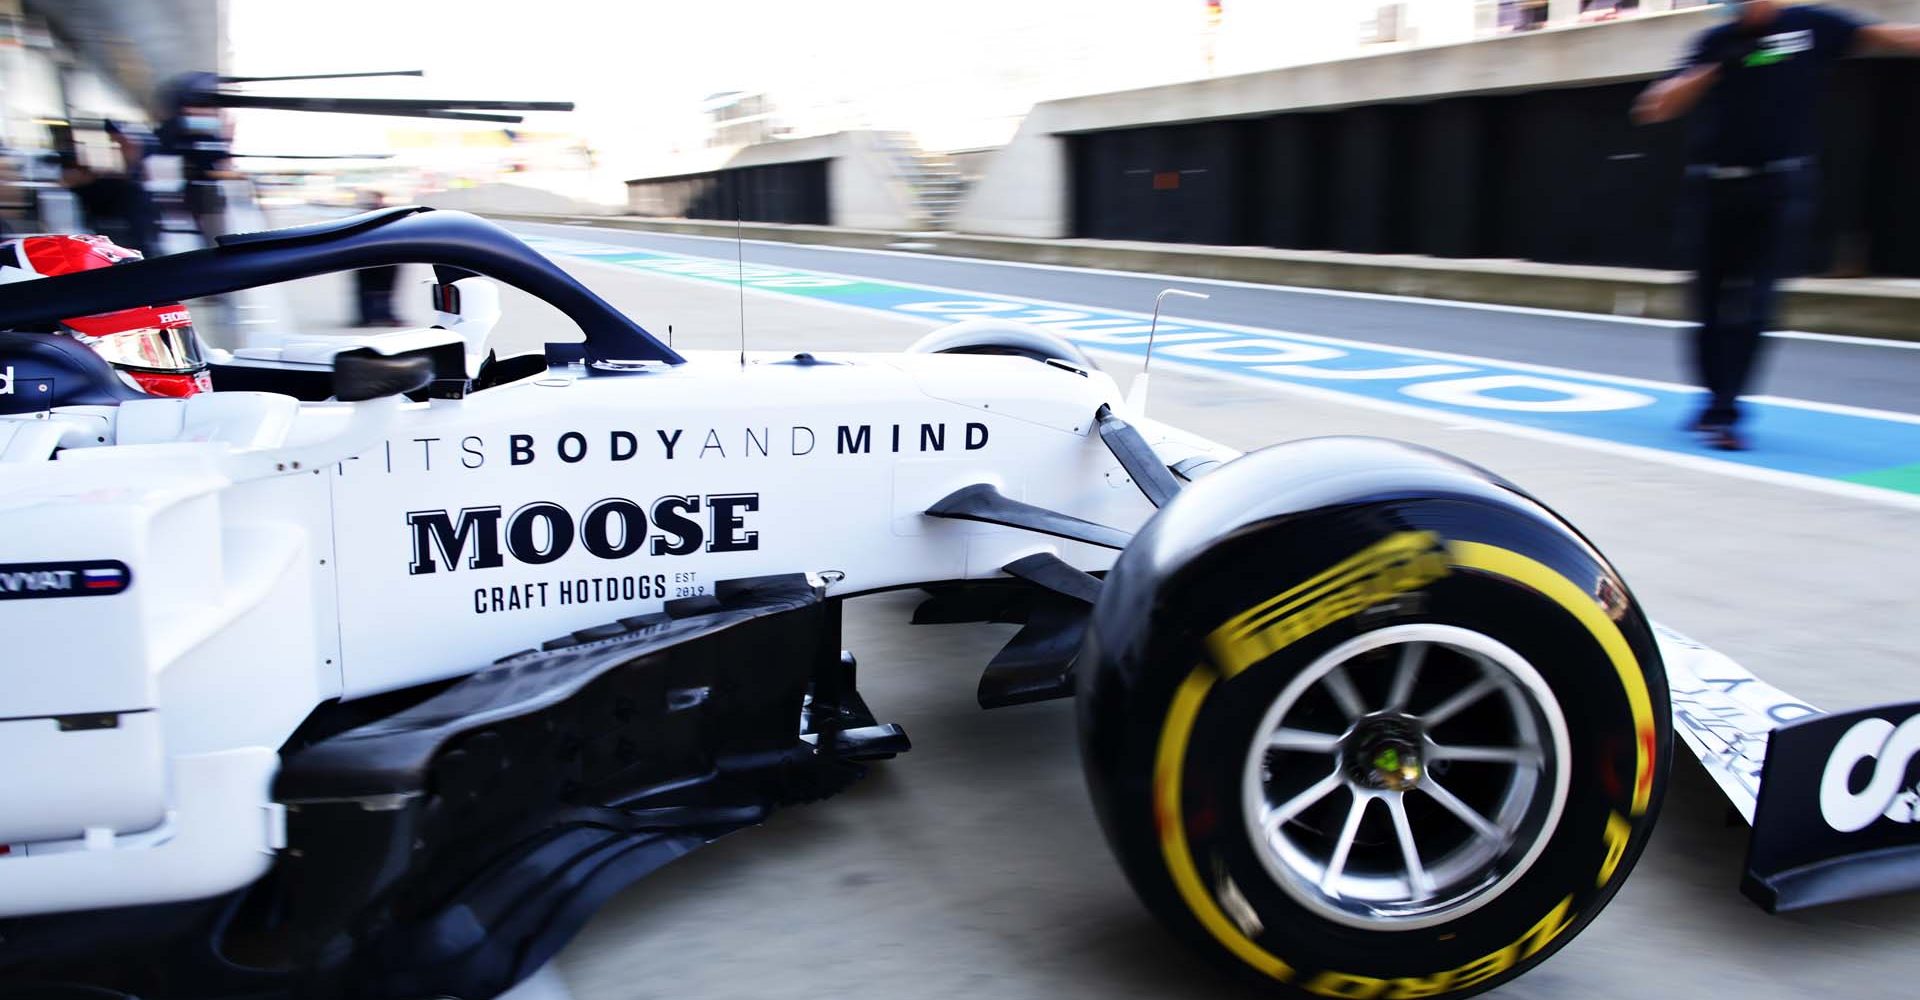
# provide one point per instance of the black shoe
(1724, 439)
(1707, 421)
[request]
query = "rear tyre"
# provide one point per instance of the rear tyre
(1382, 747)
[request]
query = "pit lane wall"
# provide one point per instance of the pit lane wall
(852, 178)
(1515, 147)
(1502, 171)
(1860, 307)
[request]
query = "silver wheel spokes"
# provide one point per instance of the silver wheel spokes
(1405, 674)
(1340, 687)
(1302, 802)
(1387, 753)
(1417, 876)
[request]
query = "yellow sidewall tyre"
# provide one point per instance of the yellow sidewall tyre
(1235, 606)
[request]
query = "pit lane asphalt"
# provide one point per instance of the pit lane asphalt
(1876, 375)
(973, 868)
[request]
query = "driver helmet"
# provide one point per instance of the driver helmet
(153, 348)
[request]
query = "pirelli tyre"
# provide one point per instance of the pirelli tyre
(1361, 720)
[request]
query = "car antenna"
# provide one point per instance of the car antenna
(1137, 393)
(740, 270)
(669, 334)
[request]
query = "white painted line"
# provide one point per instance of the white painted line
(1471, 359)
(1665, 324)
(1455, 421)
(1838, 338)
(1699, 463)
(1839, 408)
(1150, 276)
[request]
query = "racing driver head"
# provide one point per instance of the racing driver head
(152, 347)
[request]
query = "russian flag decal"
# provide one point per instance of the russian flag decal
(89, 578)
(110, 578)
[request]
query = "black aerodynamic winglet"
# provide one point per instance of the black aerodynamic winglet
(982, 502)
(1037, 663)
(1137, 457)
(1044, 569)
(1194, 467)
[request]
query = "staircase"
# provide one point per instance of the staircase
(936, 184)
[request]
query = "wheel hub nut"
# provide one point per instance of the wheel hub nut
(1385, 754)
(1396, 769)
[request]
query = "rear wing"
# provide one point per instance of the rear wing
(1831, 797)
(455, 243)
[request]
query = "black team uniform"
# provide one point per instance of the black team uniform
(1752, 176)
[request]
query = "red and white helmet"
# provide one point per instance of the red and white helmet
(152, 347)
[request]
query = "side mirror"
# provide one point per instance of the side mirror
(470, 308)
(362, 375)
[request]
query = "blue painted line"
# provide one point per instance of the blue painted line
(1854, 446)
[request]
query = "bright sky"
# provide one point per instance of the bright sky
(958, 72)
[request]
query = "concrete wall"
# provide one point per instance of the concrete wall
(867, 189)
(48, 77)
(1026, 190)
(142, 44)
(511, 199)
(865, 186)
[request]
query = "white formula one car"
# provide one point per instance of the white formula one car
(374, 671)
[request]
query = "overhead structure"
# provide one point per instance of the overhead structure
(140, 45)
(208, 90)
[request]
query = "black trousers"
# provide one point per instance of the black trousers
(1751, 232)
(373, 293)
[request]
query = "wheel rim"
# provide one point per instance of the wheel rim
(1407, 777)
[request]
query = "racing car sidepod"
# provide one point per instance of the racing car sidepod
(131, 589)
